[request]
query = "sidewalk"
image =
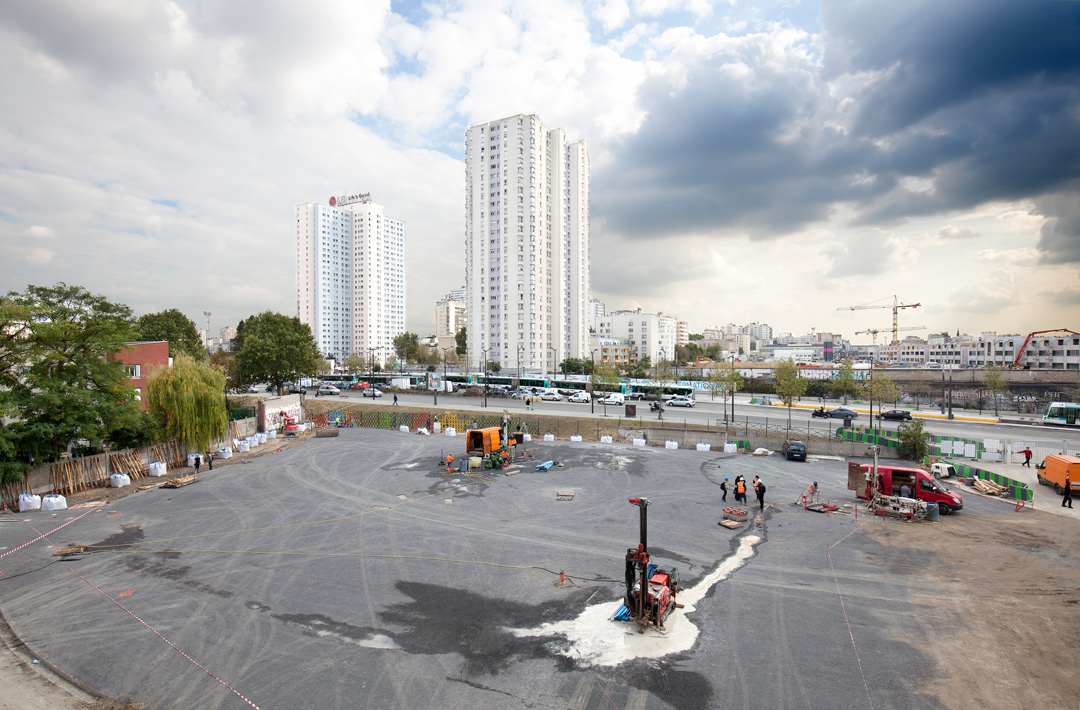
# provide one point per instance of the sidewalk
(1045, 499)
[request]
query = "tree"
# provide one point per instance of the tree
(995, 382)
(355, 364)
(61, 383)
(573, 365)
(459, 338)
(174, 326)
(226, 362)
(189, 399)
(407, 347)
(881, 389)
(715, 382)
(913, 440)
(844, 383)
(789, 384)
(323, 366)
(732, 382)
(276, 348)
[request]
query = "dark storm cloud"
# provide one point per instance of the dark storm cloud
(980, 101)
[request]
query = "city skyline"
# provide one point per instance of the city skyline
(770, 163)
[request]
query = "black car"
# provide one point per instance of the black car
(794, 450)
(896, 415)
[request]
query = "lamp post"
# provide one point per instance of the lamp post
(207, 314)
(592, 387)
(950, 391)
(484, 352)
(520, 350)
(732, 386)
(554, 358)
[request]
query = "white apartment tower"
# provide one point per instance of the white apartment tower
(350, 276)
(450, 313)
(526, 244)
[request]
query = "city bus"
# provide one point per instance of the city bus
(1062, 414)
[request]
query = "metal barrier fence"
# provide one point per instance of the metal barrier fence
(1017, 489)
(778, 430)
(414, 420)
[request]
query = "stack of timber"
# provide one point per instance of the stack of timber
(169, 452)
(128, 462)
(988, 487)
(180, 482)
(74, 475)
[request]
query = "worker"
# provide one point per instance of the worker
(740, 489)
(759, 490)
(905, 491)
(1067, 498)
(811, 490)
(449, 461)
(1027, 456)
(723, 487)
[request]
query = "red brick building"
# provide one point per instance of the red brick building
(141, 359)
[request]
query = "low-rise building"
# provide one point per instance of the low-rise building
(140, 360)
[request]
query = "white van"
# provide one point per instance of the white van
(614, 398)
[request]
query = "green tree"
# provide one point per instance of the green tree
(355, 364)
(276, 348)
(462, 343)
(323, 366)
(494, 367)
(844, 383)
(174, 326)
(62, 386)
(732, 382)
(189, 399)
(715, 381)
(407, 347)
(994, 381)
(789, 384)
(913, 440)
(880, 389)
(574, 366)
(226, 362)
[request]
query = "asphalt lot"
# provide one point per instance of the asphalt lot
(352, 572)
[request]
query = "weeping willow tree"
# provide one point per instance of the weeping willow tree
(189, 397)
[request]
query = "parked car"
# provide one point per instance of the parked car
(372, 392)
(896, 415)
(550, 396)
(680, 402)
(328, 390)
(794, 450)
(294, 389)
(838, 413)
(579, 396)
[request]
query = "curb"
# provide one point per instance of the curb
(26, 655)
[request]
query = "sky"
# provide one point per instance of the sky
(774, 161)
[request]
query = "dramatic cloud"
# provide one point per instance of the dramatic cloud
(750, 161)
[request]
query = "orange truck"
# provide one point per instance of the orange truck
(1052, 471)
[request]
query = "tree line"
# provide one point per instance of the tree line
(62, 390)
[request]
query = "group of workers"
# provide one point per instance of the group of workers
(740, 490)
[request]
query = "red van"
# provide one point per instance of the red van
(923, 485)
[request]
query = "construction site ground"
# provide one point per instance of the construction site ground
(354, 572)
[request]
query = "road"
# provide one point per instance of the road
(713, 413)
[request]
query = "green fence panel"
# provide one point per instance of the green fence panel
(1018, 489)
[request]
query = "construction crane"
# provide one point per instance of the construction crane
(874, 331)
(1023, 348)
(896, 306)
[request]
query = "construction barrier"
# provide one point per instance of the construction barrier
(1017, 489)
(872, 437)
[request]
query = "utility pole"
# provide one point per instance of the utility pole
(207, 314)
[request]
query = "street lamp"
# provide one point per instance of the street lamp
(484, 352)
(520, 350)
(554, 358)
(732, 387)
(592, 387)
(443, 383)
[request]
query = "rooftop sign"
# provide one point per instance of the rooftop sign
(349, 199)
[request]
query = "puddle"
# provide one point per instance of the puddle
(593, 639)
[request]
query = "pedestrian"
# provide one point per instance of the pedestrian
(723, 487)
(740, 489)
(759, 489)
(198, 462)
(209, 460)
(1027, 456)
(1067, 498)
(395, 399)
(905, 492)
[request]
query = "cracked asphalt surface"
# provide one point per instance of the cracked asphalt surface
(353, 572)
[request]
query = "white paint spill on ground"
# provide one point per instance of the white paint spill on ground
(593, 639)
(379, 641)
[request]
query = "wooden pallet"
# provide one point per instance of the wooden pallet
(730, 524)
(67, 550)
(180, 482)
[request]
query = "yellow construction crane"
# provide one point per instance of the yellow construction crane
(897, 304)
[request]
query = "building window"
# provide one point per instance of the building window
(133, 371)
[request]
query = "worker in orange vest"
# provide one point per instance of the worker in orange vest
(740, 489)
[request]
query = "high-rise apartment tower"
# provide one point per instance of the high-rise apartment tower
(526, 244)
(350, 276)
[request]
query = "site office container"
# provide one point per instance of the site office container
(1051, 472)
(922, 484)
